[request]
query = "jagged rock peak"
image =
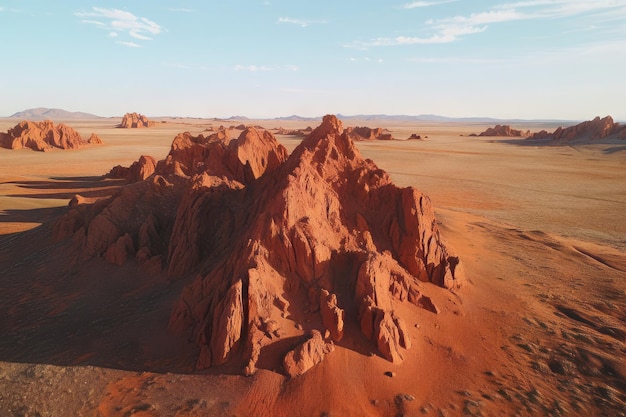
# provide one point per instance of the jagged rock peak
(273, 246)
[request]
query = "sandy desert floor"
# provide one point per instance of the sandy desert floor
(539, 329)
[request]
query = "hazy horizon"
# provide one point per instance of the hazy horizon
(382, 116)
(538, 59)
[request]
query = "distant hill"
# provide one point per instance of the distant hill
(412, 119)
(297, 118)
(43, 113)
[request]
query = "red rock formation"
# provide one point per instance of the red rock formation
(267, 237)
(44, 136)
(139, 170)
(296, 132)
(332, 315)
(135, 120)
(415, 136)
(94, 140)
(505, 131)
(306, 355)
(591, 130)
(366, 133)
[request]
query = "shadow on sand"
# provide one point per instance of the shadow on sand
(68, 187)
(59, 311)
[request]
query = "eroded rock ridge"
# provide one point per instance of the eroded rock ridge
(591, 130)
(44, 136)
(274, 247)
(135, 120)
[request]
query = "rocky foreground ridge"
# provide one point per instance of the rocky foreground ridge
(134, 121)
(44, 136)
(283, 255)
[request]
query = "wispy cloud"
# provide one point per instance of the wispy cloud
(129, 44)
(265, 68)
(416, 4)
(121, 21)
(300, 22)
(180, 9)
(451, 29)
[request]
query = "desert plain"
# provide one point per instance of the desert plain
(537, 327)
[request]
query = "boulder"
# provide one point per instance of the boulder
(307, 354)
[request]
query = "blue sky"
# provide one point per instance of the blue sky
(508, 59)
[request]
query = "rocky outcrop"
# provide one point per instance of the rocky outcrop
(366, 133)
(321, 237)
(307, 354)
(332, 315)
(504, 131)
(296, 132)
(415, 136)
(591, 130)
(44, 136)
(139, 170)
(94, 140)
(135, 120)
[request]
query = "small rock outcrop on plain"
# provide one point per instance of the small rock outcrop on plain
(296, 132)
(44, 136)
(367, 133)
(591, 130)
(504, 131)
(272, 245)
(135, 120)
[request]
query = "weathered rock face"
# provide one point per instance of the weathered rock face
(306, 355)
(505, 131)
(139, 170)
(366, 133)
(591, 130)
(322, 235)
(135, 120)
(44, 136)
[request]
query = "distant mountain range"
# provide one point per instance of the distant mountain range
(44, 113)
(417, 118)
